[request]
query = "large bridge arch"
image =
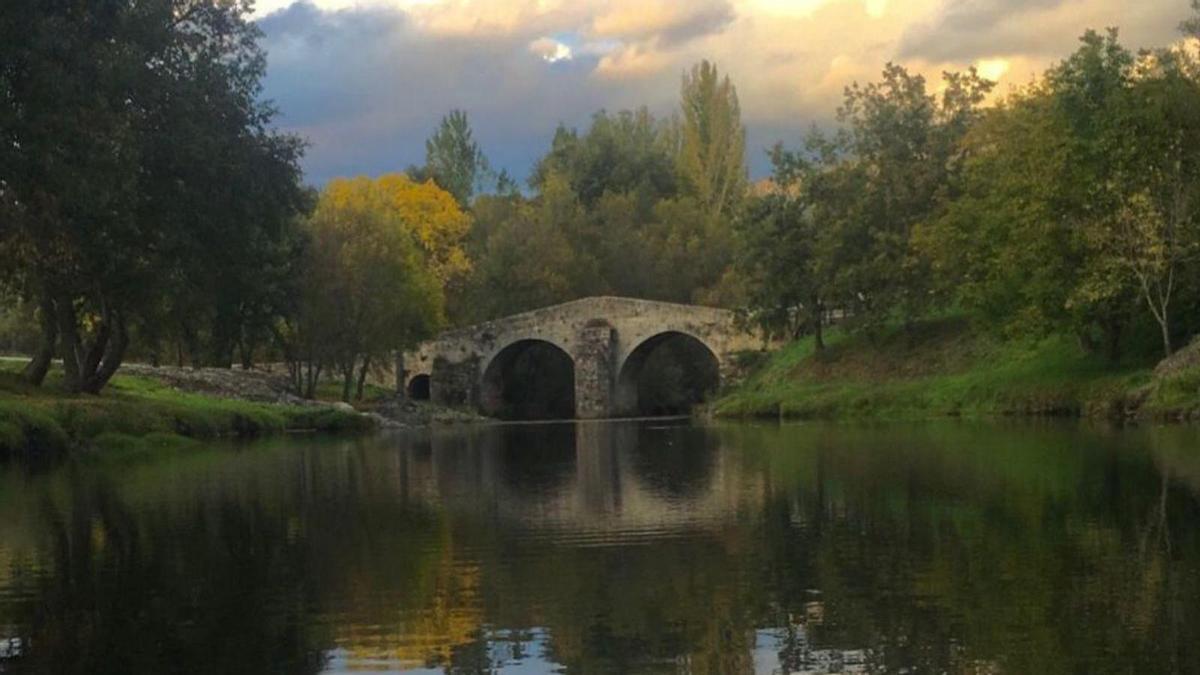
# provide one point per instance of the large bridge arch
(666, 373)
(608, 340)
(528, 379)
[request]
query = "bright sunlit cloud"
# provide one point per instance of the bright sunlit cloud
(550, 50)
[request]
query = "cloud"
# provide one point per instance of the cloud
(665, 23)
(634, 61)
(964, 30)
(366, 81)
(368, 85)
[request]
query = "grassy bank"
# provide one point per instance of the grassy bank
(138, 412)
(944, 368)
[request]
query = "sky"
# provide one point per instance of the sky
(366, 81)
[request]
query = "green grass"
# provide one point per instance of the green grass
(941, 368)
(136, 412)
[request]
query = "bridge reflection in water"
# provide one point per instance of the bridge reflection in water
(598, 547)
(592, 519)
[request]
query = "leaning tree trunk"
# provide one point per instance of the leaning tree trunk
(35, 371)
(69, 347)
(88, 368)
(114, 353)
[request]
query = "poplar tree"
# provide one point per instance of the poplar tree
(712, 143)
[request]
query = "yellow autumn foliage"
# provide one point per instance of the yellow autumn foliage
(430, 213)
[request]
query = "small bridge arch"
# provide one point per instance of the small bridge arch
(606, 344)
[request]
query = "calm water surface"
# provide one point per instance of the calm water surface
(645, 547)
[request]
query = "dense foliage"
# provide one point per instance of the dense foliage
(1071, 205)
(381, 252)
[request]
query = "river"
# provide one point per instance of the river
(624, 547)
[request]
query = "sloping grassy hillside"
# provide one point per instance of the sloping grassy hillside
(136, 411)
(944, 368)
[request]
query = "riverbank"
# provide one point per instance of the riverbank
(146, 411)
(944, 368)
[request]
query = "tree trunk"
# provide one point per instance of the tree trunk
(69, 348)
(92, 357)
(1114, 343)
(314, 376)
(117, 338)
(35, 371)
(348, 378)
(246, 351)
(362, 377)
(816, 319)
(1168, 349)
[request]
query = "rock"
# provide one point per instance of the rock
(386, 422)
(248, 385)
(266, 386)
(1182, 360)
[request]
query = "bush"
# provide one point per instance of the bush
(29, 431)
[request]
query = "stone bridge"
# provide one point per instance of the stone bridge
(602, 343)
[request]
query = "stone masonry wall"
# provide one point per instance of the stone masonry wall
(594, 370)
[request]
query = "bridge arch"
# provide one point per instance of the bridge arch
(666, 374)
(528, 379)
(419, 387)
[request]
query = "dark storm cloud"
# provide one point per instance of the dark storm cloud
(367, 87)
(706, 20)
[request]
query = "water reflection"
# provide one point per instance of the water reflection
(635, 547)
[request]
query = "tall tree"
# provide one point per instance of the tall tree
(454, 159)
(1154, 233)
(712, 150)
(122, 114)
(904, 142)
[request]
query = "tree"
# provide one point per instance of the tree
(524, 256)
(429, 212)
(1191, 27)
(1155, 231)
(712, 152)
(118, 116)
(902, 142)
(454, 160)
(624, 153)
(1002, 248)
(796, 238)
(369, 288)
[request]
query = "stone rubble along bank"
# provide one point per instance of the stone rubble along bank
(268, 386)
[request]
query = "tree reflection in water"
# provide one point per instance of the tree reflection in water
(599, 548)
